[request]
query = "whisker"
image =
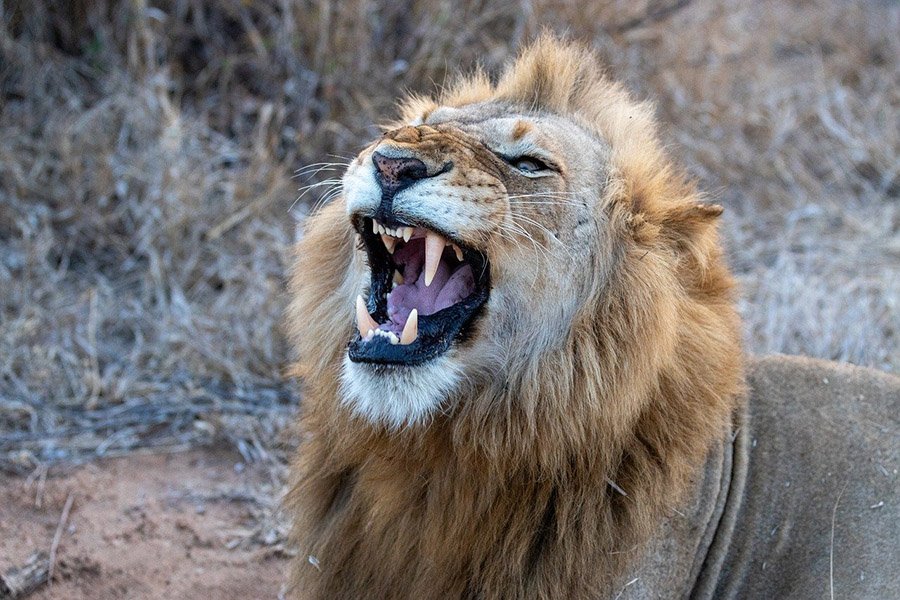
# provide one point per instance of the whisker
(326, 199)
(545, 230)
(324, 182)
(511, 236)
(334, 185)
(544, 198)
(546, 193)
(313, 170)
(534, 243)
(546, 203)
(322, 164)
(515, 229)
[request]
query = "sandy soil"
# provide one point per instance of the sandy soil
(142, 527)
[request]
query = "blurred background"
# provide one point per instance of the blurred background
(152, 154)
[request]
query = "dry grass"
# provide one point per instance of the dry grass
(147, 152)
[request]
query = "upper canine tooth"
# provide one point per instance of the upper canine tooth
(458, 250)
(389, 242)
(411, 329)
(407, 233)
(364, 322)
(434, 247)
(374, 226)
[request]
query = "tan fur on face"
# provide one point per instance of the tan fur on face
(506, 494)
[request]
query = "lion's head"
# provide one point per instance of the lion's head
(517, 291)
(497, 227)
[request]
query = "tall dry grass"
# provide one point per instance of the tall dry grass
(147, 153)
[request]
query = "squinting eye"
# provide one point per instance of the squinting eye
(528, 165)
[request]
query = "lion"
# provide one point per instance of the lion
(523, 374)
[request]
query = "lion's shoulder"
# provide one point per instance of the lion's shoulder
(815, 481)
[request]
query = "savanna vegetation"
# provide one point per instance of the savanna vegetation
(156, 157)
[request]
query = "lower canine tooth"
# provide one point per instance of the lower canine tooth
(411, 329)
(364, 322)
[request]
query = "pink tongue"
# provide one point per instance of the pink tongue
(458, 286)
(446, 288)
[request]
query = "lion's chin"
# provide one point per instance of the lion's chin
(397, 396)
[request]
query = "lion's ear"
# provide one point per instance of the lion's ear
(691, 218)
(703, 213)
(710, 211)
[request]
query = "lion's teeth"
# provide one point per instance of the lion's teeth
(411, 329)
(458, 250)
(397, 232)
(434, 247)
(364, 322)
(389, 242)
(398, 278)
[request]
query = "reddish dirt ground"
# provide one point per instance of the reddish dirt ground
(141, 527)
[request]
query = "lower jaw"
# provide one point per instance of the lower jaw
(436, 334)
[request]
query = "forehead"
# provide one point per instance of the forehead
(499, 123)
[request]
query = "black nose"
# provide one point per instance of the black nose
(395, 174)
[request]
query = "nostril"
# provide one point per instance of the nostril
(398, 172)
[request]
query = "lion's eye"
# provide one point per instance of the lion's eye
(527, 164)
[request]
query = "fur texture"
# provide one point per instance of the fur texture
(606, 362)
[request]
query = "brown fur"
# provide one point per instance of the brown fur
(509, 494)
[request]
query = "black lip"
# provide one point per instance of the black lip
(438, 331)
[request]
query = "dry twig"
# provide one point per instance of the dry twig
(57, 537)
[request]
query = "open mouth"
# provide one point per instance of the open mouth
(426, 292)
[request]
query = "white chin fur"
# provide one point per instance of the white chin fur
(398, 396)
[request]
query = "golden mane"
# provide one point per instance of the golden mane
(534, 488)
